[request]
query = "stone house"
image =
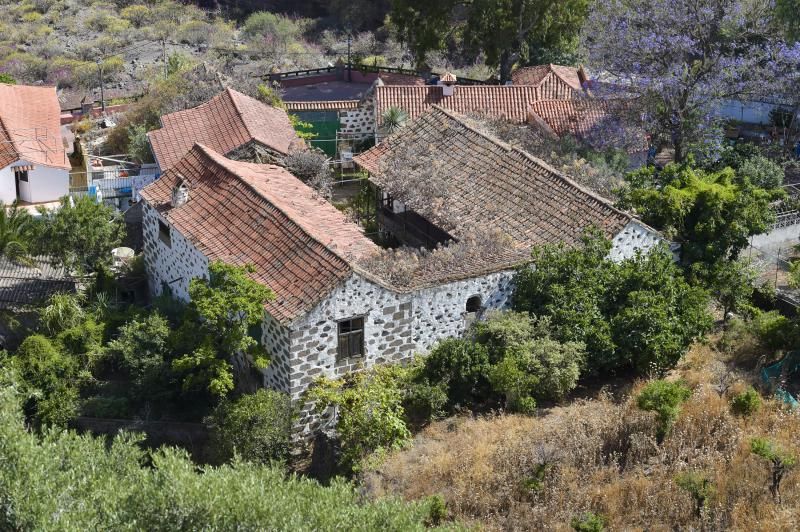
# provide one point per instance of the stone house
(339, 305)
(230, 123)
(34, 167)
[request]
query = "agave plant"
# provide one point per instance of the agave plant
(393, 119)
(16, 232)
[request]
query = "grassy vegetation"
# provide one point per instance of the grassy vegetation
(601, 457)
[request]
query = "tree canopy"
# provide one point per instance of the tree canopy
(504, 32)
(684, 57)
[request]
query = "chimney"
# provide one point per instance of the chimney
(180, 194)
(448, 81)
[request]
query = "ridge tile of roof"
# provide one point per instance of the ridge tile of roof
(535, 75)
(322, 105)
(509, 102)
(242, 213)
(225, 122)
(30, 127)
(495, 185)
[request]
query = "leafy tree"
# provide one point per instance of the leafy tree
(780, 459)
(67, 481)
(665, 399)
(138, 143)
(638, 313)
(255, 427)
(16, 232)
(80, 234)
(686, 56)
(787, 15)
(711, 213)
(369, 410)
(732, 284)
(225, 306)
(503, 31)
(463, 367)
(142, 350)
(49, 378)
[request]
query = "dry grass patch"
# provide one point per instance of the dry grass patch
(600, 455)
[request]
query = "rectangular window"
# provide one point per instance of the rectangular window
(351, 338)
(23, 176)
(164, 234)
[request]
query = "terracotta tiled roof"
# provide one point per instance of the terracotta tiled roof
(332, 105)
(242, 213)
(579, 117)
(22, 285)
(30, 127)
(497, 186)
(535, 75)
(227, 121)
(510, 103)
(448, 77)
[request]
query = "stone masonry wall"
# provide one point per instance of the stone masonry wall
(174, 265)
(396, 326)
(359, 121)
(633, 237)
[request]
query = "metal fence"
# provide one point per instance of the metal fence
(111, 182)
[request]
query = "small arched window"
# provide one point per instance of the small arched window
(473, 304)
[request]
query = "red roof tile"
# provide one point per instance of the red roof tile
(224, 123)
(244, 213)
(495, 185)
(580, 117)
(30, 127)
(507, 102)
(535, 75)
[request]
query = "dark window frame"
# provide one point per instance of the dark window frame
(350, 338)
(23, 176)
(165, 233)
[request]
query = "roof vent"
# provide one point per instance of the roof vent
(447, 81)
(180, 194)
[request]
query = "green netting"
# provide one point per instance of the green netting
(784, 369)
(324, 124)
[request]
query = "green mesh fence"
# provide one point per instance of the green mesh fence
(775, 374)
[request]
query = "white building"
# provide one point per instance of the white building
(33, 163)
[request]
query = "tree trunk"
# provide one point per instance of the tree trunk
(506, 62)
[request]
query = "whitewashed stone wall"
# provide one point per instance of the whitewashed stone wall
(396, 325)
(174, 265)
(633, 237)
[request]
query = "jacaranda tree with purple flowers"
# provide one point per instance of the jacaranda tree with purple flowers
(684, 57)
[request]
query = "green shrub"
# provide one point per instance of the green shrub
(141, 349)
(107, 407)
(50, 377)
(63, 311)
(699, 487)
(369, 406)
(67, 481)
(437, 510)
(463, 367)
(256, 427)
(588, 522)
(746, 403)
(664, 398)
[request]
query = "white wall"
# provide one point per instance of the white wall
(8, 191)
(174, 265)
(45, 184)
(634, 237)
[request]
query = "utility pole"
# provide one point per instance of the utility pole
(349, 64)
(102, 88)
(164, 55)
